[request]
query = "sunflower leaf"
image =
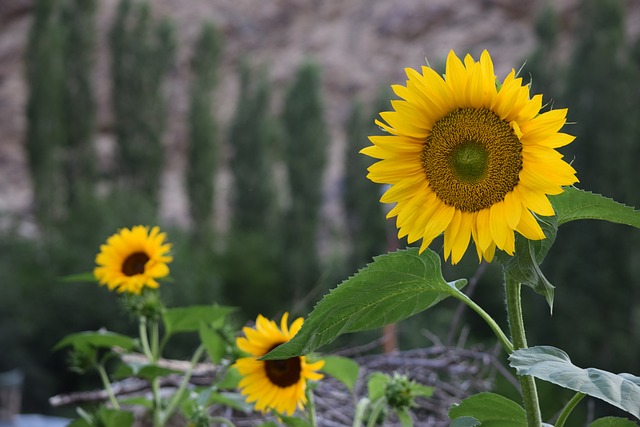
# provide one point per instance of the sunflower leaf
(553, 365)
(96, 339)
(188, 319)
(613, 422)
(524, 265)
(573, 204)
(391, 288)
(343, 369)
(490, 410)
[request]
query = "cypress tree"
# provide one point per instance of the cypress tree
(365, 217)
(45, 129)
(142, 52)
(305, 156)
(253, 249)
(79, 17)
(203, 146)
(600, 97)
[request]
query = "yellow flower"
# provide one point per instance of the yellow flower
(274, 384)
(133, 259)
(469, 158)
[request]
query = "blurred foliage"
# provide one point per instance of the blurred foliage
(305, 156)
(203, 132)
(142, 53)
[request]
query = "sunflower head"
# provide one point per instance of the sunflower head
(133, 259)
(469, 157)
(277, 385)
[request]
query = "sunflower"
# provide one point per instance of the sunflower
(469, 157)
(133, 259)
(274, 384)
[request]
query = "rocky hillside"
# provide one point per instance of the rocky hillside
(360, 45)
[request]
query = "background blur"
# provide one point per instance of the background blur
(235, 125)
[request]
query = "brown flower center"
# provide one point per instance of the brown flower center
(283, 373)
(472, 159)
(134, 264)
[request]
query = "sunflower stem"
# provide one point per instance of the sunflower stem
(311, 407)
(107, 386)
(144, 338)
(155, 335)
(375, 412)
(361, 407)
(508, 346)
(516, 325)
(566, 411)
(177, 396)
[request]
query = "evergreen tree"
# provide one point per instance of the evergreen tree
(601, 92)
(253, 249)
(203, 147)
(142, 52)
(79, 162)
(365, 218)
(305, 155)
(45, 130)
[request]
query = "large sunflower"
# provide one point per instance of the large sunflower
(133, 259)
(274, 384)
(469, 157)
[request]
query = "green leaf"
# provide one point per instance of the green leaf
(524, 266)
(114, 418)
(573, 204)
(213, 342)
(376, 385)
(232, 400)
(553, 365)
(393, 287)
(188, 319)
(343, 369)
(465, 422)
(98, 339)
(613, 422)
(405, 418)
(230, 380)
(78, 278)
(79, 423)
(151, 372)
(420, 390)
(294, 421)
(491, 410)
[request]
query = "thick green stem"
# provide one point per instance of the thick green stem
(144, 338)
(516, 324)
(376, 410)
(487, 318)
(177, 396)
(566, 411)
(311, 407)
(361, 407)
(107, 386)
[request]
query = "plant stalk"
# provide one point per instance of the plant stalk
(311, 407)
(516, 325)
(566, 411)
(487, 318)
(177, 396)
(107, 386)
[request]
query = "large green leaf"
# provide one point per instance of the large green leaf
(490, 409)
(553, 365)
(613, 422)
(524, 266)
(188, 319)
(391, 288)
(96, 339)
(343, 369)
(213, 342)
(573, 204)
(465, 422)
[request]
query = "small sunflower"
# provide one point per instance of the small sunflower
(274, 384)
(132, 259)
(469, 157)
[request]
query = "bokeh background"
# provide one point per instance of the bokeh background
(235, 126)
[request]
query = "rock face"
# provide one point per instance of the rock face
(360, 45)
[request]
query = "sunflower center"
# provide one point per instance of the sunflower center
(134, 264)
(283, 373)
(472, 159)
